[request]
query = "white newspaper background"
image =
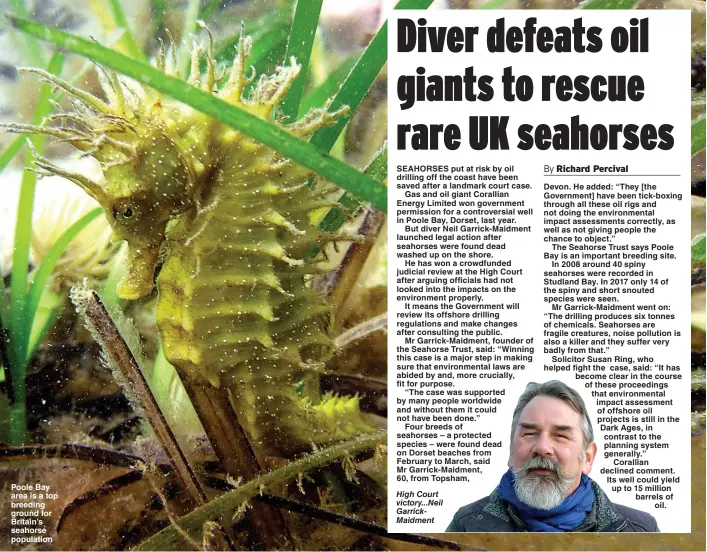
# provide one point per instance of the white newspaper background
(428, 380)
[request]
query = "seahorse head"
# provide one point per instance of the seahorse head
(147, 172)
(139, 199)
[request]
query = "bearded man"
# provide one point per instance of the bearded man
(547, 488)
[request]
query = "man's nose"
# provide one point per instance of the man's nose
(543, 445)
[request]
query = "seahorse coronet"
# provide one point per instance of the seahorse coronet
(230, 220)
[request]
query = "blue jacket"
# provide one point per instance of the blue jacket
(493, 515)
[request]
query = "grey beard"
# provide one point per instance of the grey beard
(543, 492)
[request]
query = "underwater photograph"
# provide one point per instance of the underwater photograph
(193, 253)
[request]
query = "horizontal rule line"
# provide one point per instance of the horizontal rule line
(611, 174)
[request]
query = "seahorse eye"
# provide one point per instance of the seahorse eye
(127, 212)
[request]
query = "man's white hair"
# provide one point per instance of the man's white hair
(557, 390)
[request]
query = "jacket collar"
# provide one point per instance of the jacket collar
(602, 518)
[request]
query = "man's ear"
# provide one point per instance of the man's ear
(589, 458)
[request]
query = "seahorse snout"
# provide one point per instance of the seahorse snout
(139, 276)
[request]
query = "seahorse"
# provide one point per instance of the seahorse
(228, 219)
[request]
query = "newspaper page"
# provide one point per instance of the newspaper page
(205, 366)
(539, 232)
